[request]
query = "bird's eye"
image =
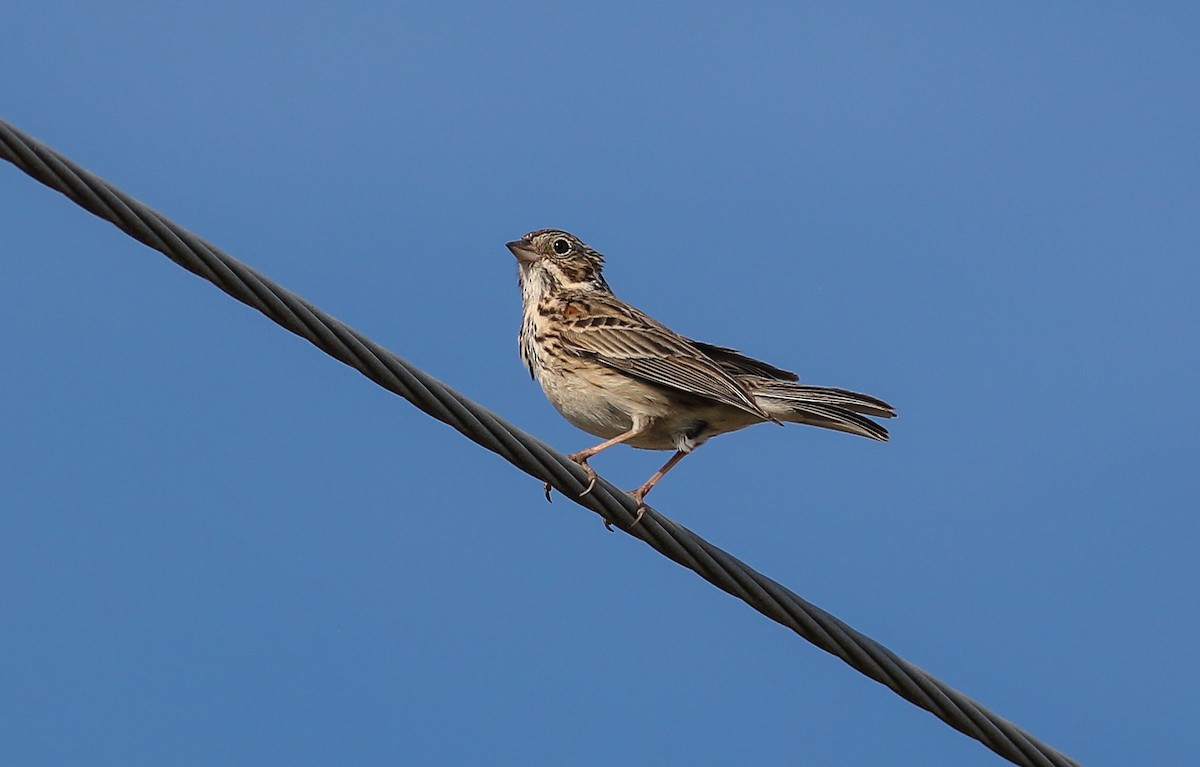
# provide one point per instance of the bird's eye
(561, 247)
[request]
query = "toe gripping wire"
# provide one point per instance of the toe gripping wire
(523, 450)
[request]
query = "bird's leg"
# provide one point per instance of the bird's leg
(640, 494)
(582, 456)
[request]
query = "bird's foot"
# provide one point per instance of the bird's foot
(581, 459)
(638, 495)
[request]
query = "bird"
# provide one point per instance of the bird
(618, 374)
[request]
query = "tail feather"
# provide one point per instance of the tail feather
(825, 407)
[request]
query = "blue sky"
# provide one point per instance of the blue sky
(218, 546)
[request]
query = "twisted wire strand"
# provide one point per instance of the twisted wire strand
(524, 451)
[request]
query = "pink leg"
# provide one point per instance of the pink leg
(640, 494)
(582, 456)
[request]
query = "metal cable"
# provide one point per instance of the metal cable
(524, 451)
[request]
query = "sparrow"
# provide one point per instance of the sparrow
(618, 374)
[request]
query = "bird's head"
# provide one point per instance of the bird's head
(558, 259)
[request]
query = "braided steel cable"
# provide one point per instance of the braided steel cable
(524, 451)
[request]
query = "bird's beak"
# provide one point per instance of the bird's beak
(523, 250)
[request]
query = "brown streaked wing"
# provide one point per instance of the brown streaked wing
(624, 339)
(733, 361)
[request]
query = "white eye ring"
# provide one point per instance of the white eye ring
(561, 247)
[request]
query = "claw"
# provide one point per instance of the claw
(591, 483)
(641, 512)
(638, 495)
(546, 490)
(591, 473)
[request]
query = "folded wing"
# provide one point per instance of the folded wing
(627, 340)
